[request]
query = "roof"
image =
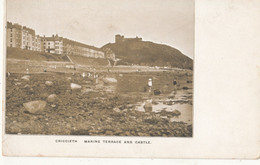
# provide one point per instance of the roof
(71, 42)
(10, 25)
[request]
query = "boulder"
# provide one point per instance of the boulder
(86, 90)
(35, 106)
(48, 83)
(51, 98)
(18, 83)
(157, 92)
(53, 105)
(116, 109)
(26, 86)
(109, 80)
(148, 106)
(176, 112)
(75, 86)
(26, 78)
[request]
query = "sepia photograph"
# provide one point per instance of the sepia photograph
(99, 68)
(167, 79)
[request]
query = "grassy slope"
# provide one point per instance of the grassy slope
(17, 53)
(88, 61)
(148, 53)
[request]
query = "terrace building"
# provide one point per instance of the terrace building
(22, 37)
(76, 48)
(52, 44)
(14, 35)
(60, 45)
(25, 38)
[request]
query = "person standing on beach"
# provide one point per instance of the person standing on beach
(174, 82)
(150, 82)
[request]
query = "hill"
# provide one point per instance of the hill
(149, 53)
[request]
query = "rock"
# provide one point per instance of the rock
(51, 98)
(53, 105)
(26, 77)
(148, 106)
(75, 86)
(18, 83)
(49, 83)
(116, 109)
(157, 92)
(44, 95)
(155, 103)
(185, 88)
(129, 106)
(35, 106)
(176, 112)
(108, 132)
(108, 80)
(86, 90)
(164, 117)
(26, 86)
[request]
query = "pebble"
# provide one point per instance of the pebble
(74, 86)
(26, 77)
(49, 83)
(51, 98)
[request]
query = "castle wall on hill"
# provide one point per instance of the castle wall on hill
(120, 38)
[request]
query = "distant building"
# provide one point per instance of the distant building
(60, 45)
(109, 54)
(119, 38)
(25, 38)
(22, 37)
(14, 35)
(76, 48)
(52, 44)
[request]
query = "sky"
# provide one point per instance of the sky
(96, 22)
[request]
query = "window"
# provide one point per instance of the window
(11, 40)
(11, 35)
(11, 29)
(11, 45)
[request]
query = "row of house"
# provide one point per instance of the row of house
(22, 37)
(25, 38)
